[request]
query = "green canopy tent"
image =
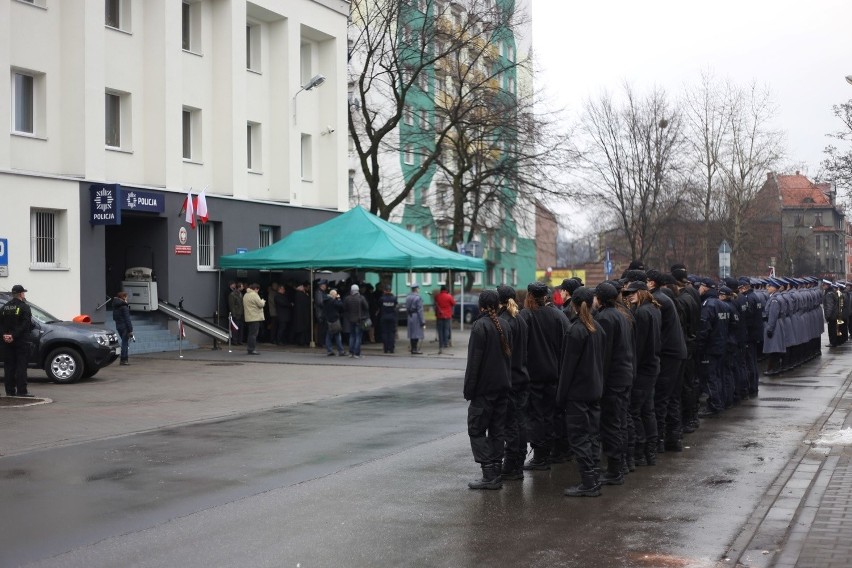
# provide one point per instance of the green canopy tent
(355, 240)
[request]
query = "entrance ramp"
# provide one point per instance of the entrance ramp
(193, 321)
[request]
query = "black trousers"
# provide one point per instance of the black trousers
(516, 426)
(15, 370)
(582, 421)
(690, 393)
(667, 393)
(542, 402)
(644, 420)
(486, 421)
(751, 367)
(614, 406)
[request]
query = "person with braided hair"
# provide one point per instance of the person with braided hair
(487, 380)
(516, 410)
(545, 327)
(580, 387)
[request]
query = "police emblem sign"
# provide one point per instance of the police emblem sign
(105, 204)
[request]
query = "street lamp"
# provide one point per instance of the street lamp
(315, 81)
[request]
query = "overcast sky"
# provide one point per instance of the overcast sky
(800, 49)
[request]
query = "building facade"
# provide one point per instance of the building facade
(505, 238)
(118, 108)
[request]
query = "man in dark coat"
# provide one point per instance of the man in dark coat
(16, 323)
(712, 343)
(831, 312)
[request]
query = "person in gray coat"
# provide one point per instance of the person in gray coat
(416, 319)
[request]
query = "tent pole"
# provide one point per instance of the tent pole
(313, 343)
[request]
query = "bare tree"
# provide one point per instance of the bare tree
(632, 160)
(395, 48)
(754, 149)
(706, 129)
(837, 166)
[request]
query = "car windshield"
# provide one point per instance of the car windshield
(42, 316)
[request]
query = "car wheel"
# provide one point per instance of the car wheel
(468, 317)
(64, 365)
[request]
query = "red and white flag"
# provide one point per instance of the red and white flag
(181, 330)
(190, 209)
(201, 209)
(234, 326)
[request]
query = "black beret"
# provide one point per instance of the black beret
(537, 289)
(569, 284)
(655, 276)
(505, 293)
(606, 291)
(636, 276)
(725, 290)
(583, 295)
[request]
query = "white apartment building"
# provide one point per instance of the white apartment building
(116, 108)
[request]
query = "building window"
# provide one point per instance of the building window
(407, 115)
(27, 102)
(206, 247)
(424, 195)
(117, 119)
(117, 14)
(514, 277)
(191, 134)
(817, 219)
(477, 279)
(191, 26)
(267, 236)
(800, 220)
(307, 158)
(427, 278)
(817, 243)
(492, 276)
(503, 276)
(409, 155)
(44, 238)
(253, 47)
(253, 147)
(514, 245)
(427, 232)
(424, 119)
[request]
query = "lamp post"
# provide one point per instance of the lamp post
(315, 81)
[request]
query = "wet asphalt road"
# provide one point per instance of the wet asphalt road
(379, 479)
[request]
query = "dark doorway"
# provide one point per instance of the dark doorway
(140, 240)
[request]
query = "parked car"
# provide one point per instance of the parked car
(68, 351)
(471, 306)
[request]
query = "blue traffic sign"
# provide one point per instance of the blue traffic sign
(4, 252)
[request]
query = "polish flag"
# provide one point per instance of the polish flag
(201, 209)
(234, 325)
(190, 209)
(181, 330)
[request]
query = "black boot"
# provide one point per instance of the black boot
(588, 487)
(512, 471)
(540, 460)
(639, 455)
(661, 446)
(651, 451)
(627, 465)
(674, 445)
(490, 479)
(613, 475)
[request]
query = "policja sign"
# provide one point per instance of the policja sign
(105, 204)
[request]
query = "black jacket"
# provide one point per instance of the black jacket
(713, 336)
(388, 307)
(332, 308)
(520, 376)
(488, 368)
(618, 349)
(121, 316)
(648, 323)
(545, 328)
(16, 318)
(672, 343)
(829, 305)
(754, 316)
(581, 374)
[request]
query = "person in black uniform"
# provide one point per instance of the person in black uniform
(646, 313)
(387, 319)
(516, 410)
(712, 342)
(753, 311)
(16, 323)
(487, 380)
(580, 386)
(123, 325)
(618, 378)
(545, 325)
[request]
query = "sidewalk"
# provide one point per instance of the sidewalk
(805, 518)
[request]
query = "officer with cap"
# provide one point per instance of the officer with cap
(831, 311)
(565, 290)
(735, 381)
(751, 310)
(16, 323)
(712, 339)
(773, 335)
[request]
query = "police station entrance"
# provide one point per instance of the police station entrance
(140, 242)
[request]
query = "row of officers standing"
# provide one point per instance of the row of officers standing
(624, 369)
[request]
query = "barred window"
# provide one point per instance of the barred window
(44, 235)
(206, 256)
(266, 236)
